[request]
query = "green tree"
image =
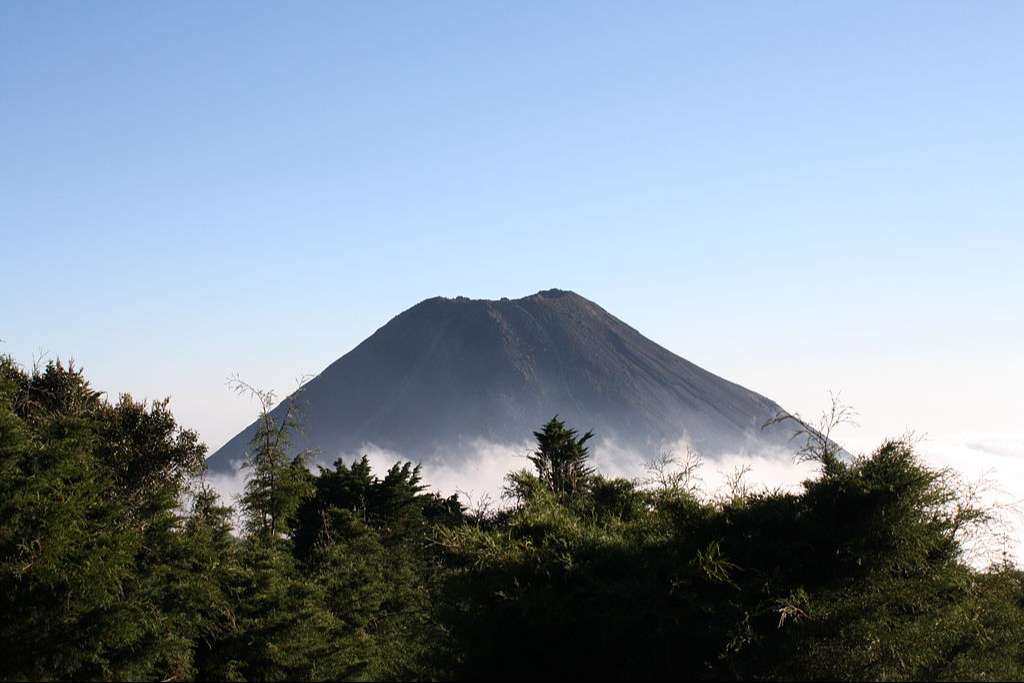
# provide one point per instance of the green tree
(277, 483)
(118, 562)
(561, 458)
(366, 542)
(860, 575)
(86, 585)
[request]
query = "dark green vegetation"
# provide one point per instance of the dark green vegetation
(116, 562)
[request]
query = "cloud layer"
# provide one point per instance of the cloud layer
(992, 463)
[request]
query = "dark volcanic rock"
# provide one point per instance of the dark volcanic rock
(447, 371)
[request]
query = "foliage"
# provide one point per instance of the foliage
(118, 562)
(95, 573)
(561, 457)
(860, 575)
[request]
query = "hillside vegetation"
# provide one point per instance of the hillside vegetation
(118, 562)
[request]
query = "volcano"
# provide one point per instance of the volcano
(448, 372)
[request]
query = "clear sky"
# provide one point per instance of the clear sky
(798, 196)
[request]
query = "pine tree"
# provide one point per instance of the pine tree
(277, 483)
(561, 458)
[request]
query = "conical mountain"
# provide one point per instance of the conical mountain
(447, 372)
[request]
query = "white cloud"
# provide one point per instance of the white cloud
(477, 469)
(229, 485)
(994, 463)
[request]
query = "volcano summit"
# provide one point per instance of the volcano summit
(449, 371)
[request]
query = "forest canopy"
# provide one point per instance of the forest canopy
(118, 561)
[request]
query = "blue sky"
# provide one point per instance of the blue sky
(798, 196)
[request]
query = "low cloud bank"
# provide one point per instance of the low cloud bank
(991, 463)
(994, 464)
(477, 469)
